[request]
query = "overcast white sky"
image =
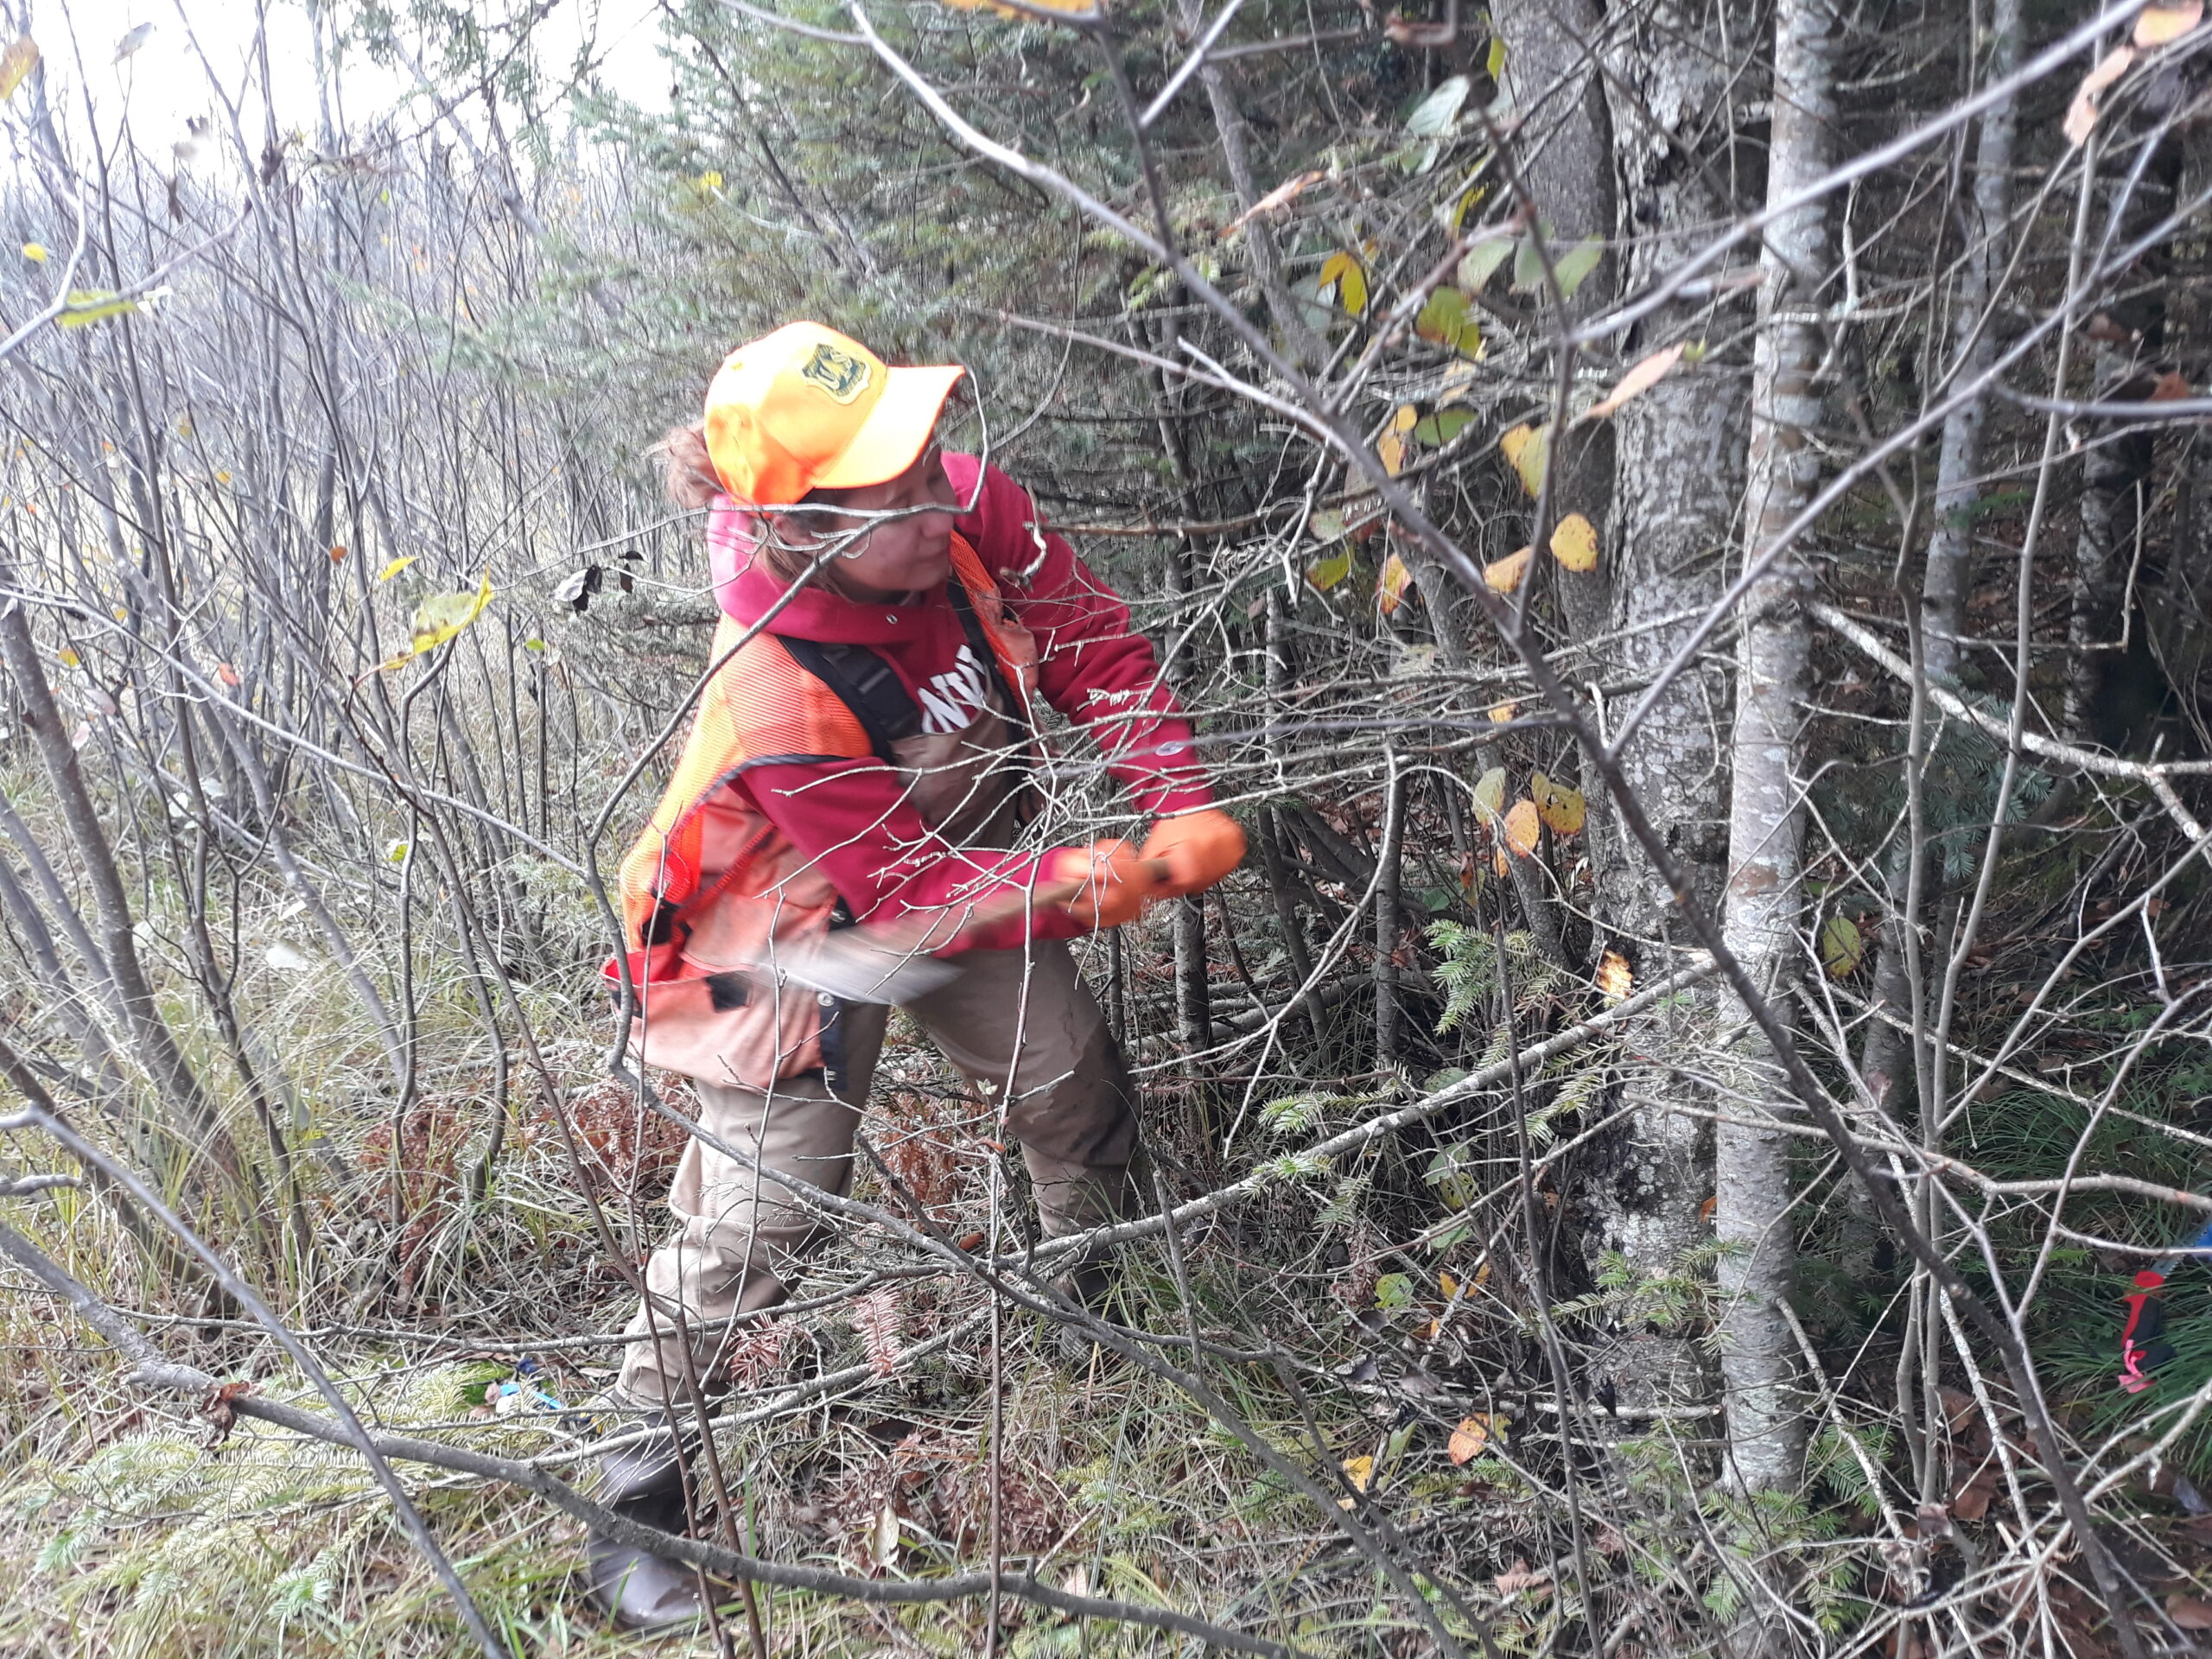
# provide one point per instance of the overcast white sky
(164, 82)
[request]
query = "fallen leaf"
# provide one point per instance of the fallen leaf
(1971, 1502)
(1561, 808)
(1469, 1439)
(1504, 574)
(2156, 25)
(2189, 1612)
(1615, 977)
(1519, 1577)
(1403, 420)
(338, 554)
(1446, 1285)
(1704, 1211)
(2171, 384)
(35, 252)
(1504, 712)
(1501, 863)
(397, 566)
(883, 1537)
(226, 674)
(1390, 585)
(1842, 945)
(2082, 113)
(1527, 450)
(1359, 1471)
(1494, 62)
(1459, 380)
(1648, 373)
(1574, 543)
(1281, 196)
(1391, 449)
(1326, 525)
(1324, 573)
(17, 61)
(67, 657)
(1521, 832)
(219, 1406)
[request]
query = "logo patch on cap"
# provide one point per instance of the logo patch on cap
(841, 374)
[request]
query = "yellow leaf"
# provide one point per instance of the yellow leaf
(1359, 1471)
(2082, 113)
(710, 181)
(1496, 61)
(222, 478)
(35, 252)
(1448, 1285)
(1504, 574)
(1562, 807)
(93, 305)
(1522, 833)
(1390, 586)
(1490, 793)
(1342, 272)
(397, 566)
(1614, 976)
(438, 618)
(17, 61)
(1527, 450)
(67, 657)
(1646, 374)
(1574, 543)
(1842, 945)
(1406, 419)
(2154, 25)
(1324, 573)
(1469, 1439)
(1504, 712)
(1391, 449)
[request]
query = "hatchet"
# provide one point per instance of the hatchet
(893, 962)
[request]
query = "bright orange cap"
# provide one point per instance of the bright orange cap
(805, 409)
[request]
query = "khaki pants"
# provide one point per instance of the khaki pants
(1019, 1024)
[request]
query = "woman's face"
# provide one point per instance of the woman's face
(888, 557)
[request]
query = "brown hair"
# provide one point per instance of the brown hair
(686, 468)
(688, 472)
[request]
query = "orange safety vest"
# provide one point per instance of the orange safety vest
(731, 873)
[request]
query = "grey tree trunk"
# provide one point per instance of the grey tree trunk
(1914, 880)
(1678, 479)
(1766, 892)
(1563, 149)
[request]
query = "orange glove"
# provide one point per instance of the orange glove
(1114, 881)
(1198, 849)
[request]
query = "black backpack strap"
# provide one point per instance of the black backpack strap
(865, 684)
(979, 643)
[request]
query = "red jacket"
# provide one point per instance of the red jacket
(853, 817)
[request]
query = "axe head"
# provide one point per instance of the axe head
(854, 966)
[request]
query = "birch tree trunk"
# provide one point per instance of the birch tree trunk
(1765, 890)
(1678, 481)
